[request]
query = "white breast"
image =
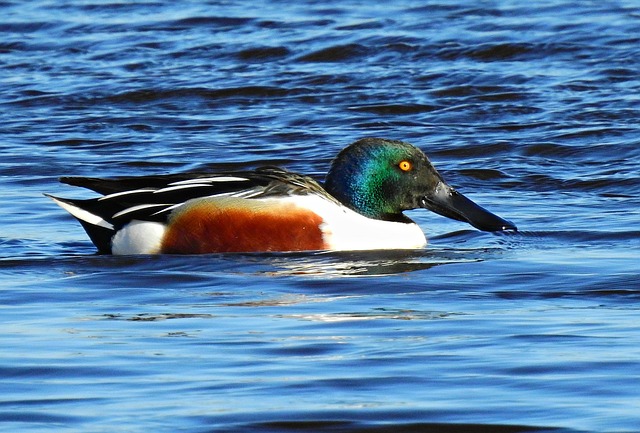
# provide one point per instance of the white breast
(346, 230)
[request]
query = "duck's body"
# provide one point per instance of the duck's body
(359, 207)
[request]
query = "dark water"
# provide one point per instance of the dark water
(530, 108)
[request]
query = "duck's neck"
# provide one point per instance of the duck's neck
(361, 198)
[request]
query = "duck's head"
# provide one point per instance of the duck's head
(381, 178)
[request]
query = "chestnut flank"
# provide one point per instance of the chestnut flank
(242, 225)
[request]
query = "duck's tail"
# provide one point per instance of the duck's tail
(99, 230)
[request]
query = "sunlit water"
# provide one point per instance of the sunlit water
(529, 108)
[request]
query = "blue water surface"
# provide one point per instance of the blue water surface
(528, 108)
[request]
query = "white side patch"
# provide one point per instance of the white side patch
(138, 237)
(82, 214)
(346, 230)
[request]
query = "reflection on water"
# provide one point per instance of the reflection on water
(360, 263)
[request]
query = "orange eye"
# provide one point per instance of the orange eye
(405, 165)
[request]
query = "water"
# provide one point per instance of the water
(530, 109)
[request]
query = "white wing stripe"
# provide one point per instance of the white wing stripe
(119, 194)
(83, 215)
(179, 187)
(137, 208)
(211, 179)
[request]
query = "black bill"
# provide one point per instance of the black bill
(448, 202)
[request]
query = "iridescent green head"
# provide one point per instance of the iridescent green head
(381, 178)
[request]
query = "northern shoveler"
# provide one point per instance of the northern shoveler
(359, 207)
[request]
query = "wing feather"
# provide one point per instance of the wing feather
(153, 198)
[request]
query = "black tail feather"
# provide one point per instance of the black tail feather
(100, 236)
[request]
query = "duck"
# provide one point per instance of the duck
(360, 206)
